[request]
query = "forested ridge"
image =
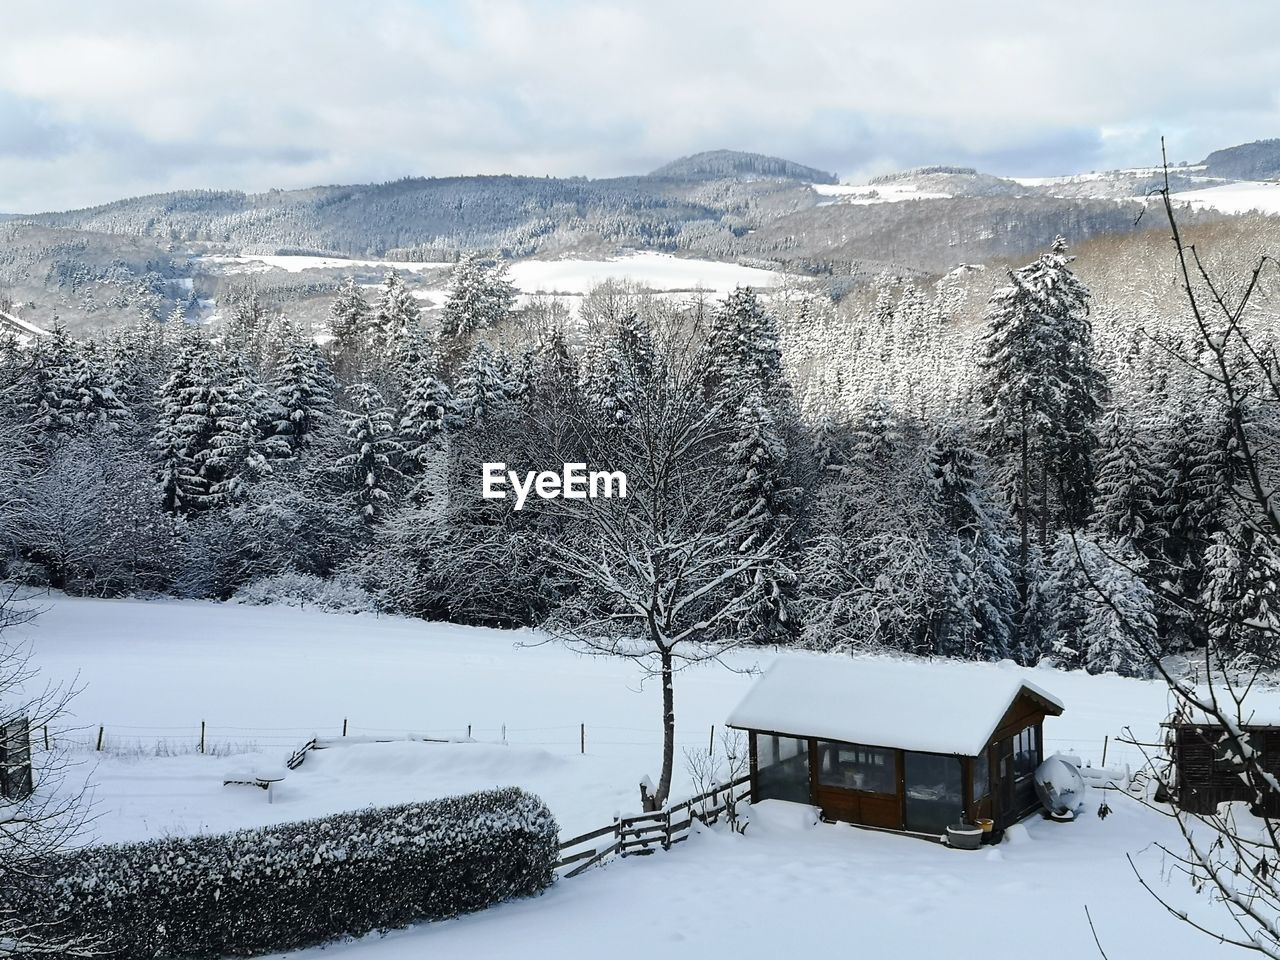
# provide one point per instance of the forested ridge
(940, 469)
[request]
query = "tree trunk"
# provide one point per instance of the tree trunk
(668, 732)
(1024, 497)
(1044, 502)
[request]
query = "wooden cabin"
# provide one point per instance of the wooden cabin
(1206, 772)
(896, 745)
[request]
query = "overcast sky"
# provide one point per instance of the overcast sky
(104, 100)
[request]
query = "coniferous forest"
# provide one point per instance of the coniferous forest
(938, 468)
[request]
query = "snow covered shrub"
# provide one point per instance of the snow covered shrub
(27, 573)
(340, 594)
(91, 519)
(300, 884)
(457, 571)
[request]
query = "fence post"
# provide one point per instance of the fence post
(99, 738)
(504, 733)
(468, 731)
(582, 738)
(1104, 749)
(711, 743)
(202, 736)
(344, 726)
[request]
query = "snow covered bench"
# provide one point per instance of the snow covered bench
(264, 778)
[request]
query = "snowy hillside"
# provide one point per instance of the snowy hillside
(272, 677)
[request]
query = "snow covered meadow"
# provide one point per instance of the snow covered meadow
(568, 278)
(265, 679)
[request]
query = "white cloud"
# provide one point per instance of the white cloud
(139, 96)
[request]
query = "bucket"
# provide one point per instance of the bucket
(963, 836)
(988, 825)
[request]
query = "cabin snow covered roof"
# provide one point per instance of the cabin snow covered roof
(930, 706)
(1258, 706)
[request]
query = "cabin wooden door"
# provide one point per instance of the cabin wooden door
(1003, 792)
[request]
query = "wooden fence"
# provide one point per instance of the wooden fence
(646, 832)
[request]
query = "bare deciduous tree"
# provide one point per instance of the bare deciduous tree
(34, 827)
(656, 571)
(713, 769)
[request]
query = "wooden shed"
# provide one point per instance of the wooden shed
(896, 745)
(1206, 771)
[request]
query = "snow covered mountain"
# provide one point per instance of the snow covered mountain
(737, 165)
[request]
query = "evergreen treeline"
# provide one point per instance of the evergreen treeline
(917, 482)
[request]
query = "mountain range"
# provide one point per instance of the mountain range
(93, 265)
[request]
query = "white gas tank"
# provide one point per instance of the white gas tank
(1060, 787)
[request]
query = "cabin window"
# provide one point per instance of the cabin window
(1026, 753)
(782, 768)
(855, 767)
(981, 775)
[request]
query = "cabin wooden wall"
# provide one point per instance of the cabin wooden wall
(1202, 784)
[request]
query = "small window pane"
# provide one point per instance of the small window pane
(1026, 753)
(855, 767)
(782, 768)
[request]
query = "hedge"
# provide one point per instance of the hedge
(303, 884)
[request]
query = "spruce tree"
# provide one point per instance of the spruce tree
(239, 448)
(395, 319)
(368, 473)
(67, 387)
(424, 415)
(743, 343)
(304, 392)
(350, 323)
(764, 504)
(1040, 389)
(479, 297)
(1127, 501)
(184, 428)
(483, 387)
(978, 598)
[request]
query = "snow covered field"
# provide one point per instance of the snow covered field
(889, 192)
(568, 279)
(296, 263)
(658, 272)
(274, 676)
(654, 271)
(1243, 197)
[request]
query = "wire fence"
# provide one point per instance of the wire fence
(130, 740)
(217, 739)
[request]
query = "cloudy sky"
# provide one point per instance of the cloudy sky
(100, 101)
